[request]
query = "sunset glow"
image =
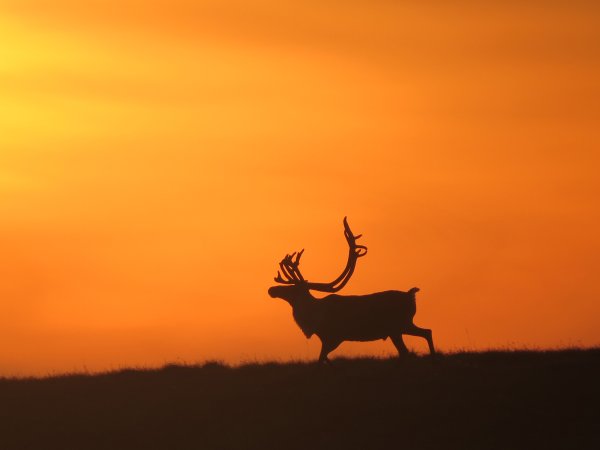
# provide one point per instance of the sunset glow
(158, 158)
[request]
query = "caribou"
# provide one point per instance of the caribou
(338, 318)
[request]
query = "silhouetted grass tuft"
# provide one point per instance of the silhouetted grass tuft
(492, 400)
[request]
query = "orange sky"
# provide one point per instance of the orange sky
(158, 158)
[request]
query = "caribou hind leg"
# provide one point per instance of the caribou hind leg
(425, 333)
(400, 345)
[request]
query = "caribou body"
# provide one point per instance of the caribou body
(338, 318)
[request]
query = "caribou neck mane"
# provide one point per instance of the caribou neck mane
(304, 310)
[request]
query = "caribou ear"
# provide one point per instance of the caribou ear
(414, 290)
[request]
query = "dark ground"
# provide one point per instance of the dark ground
(492, 400)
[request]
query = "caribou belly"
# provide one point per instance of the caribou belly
(357, 319)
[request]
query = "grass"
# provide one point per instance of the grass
(488, 400)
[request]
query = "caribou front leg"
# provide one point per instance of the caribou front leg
(327, 346)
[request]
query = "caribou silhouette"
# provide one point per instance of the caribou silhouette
(338, 318)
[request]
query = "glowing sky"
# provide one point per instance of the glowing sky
(158, 158)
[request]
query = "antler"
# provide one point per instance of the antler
(289, 268)
(291, 272)
(355, 251)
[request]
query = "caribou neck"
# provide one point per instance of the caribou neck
(304, 312)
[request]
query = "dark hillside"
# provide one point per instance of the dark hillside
(493, 400)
